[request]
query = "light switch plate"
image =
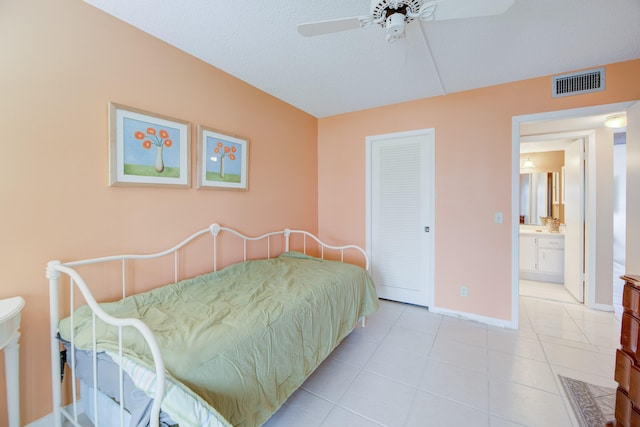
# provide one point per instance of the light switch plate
(498, 218)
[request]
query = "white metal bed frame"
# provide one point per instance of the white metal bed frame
(57, 269)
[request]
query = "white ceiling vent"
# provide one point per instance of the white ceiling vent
(578, 83)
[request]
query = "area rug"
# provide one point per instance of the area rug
(593, 405)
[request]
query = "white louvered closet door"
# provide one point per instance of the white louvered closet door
(400, 235)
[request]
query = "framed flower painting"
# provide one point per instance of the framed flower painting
(147, 149)
(222, 160)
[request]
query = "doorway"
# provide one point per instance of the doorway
(555, 122)
(400, 214)
(552, 253)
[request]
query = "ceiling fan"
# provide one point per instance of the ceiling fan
(394, 15)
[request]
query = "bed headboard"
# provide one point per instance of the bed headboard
(216, 230)
(287, 234)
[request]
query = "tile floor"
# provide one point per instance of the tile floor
(410, 367)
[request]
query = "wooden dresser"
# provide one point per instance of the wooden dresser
(627, 372)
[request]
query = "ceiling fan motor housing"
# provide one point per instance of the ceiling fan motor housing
(395, 24)
(382, 12)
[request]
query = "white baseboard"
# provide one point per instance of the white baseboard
(601, 307)
(469, 316)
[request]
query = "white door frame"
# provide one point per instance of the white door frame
(516, 121)
(430, 132)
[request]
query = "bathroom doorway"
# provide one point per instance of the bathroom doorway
(552, 206)
(588, 118)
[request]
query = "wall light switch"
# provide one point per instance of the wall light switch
(498, 218)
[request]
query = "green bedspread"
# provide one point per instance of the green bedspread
(244, 338)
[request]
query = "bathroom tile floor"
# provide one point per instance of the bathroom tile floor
(411, 367)
(546, 290)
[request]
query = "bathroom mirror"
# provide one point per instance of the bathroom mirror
(535, 197)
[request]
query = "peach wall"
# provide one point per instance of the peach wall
(473, 177)
(61, 63)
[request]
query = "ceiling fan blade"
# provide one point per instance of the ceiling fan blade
(333, 26)
(456, 9)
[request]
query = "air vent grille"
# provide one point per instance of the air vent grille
(578, 83)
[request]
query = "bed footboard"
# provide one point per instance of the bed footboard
(71, 412)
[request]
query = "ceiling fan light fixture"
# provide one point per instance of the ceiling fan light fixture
(395, 26)
(616, 121)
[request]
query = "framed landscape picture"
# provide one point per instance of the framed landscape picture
(222, 160)
(147, 148)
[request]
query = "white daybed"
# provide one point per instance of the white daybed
(222, 348)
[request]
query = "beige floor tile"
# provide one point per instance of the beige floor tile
(409, 365)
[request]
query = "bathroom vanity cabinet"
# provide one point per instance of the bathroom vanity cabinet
(542, 257)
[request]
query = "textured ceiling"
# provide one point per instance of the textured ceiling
(257, 42)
